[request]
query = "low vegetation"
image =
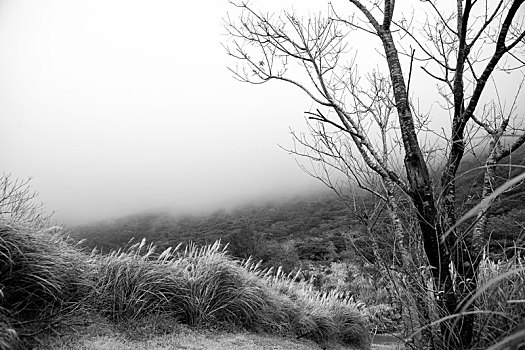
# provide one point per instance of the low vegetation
(45, 279)
(334, 252)
(54, 293)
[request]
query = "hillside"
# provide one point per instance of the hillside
(315, 228)
(505, 226)
(318, 228)
(339, 296)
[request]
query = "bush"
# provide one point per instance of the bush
(18, 202)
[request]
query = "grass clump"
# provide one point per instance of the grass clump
(320, 316)
(39, 271)
(8, 336)
(40, 278)
(204, 286)
(126, 285)
(43, 277)
(500, 302)
(215, 289)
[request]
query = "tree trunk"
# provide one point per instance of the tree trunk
(421, 191)
(414, 280)
(488, 187)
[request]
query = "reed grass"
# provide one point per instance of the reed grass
(41, 274)
(39, 271)
(500, 301)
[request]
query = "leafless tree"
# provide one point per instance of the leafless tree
(458, 47)
(499, 125)
(18, 202)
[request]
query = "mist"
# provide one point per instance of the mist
(114, 107)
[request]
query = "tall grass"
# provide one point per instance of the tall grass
(8, 336)
(204, 286)
(40, 277)
(500, 300)
(126, 285)
(499, 306)
(39, 270)
(216, 289)
(320, 315)
(199, 286)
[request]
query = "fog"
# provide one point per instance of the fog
(118, 106)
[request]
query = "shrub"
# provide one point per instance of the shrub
(18, 202)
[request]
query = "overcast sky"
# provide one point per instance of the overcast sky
(115, 106)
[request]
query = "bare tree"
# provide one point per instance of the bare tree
(331, 155)
(458, 48)
(18, 202)
(499, 125)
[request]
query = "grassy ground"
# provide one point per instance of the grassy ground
(187, 339)
(163, 334)
(91, 332)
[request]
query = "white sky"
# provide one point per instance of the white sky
(118, 106)
(115, 106)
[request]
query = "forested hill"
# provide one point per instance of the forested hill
(319, 228)
(275, 231)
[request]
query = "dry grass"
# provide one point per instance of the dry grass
(500, 301)
(203, 286)
(182, 337)
(44, 279)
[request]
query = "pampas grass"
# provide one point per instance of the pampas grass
(320, 316)
(39, 270)
(499, 305)
(126, 285)
(500, 301)
(204, 286)
(8, 336)
(42, 275)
